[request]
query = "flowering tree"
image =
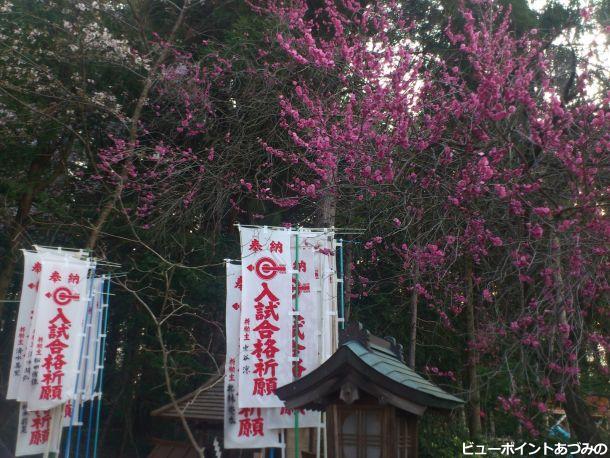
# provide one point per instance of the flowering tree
(494, 178)
(480, 177)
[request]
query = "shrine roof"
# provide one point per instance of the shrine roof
(205, 403)
(389, 366)
(374, 365)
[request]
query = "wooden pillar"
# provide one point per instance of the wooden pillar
(307, 441)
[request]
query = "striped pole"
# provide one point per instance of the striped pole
(96, 362)
(296, 340)
(341, 286)
(101, 369)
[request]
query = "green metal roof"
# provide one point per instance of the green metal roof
(385, 362)
(370, 363)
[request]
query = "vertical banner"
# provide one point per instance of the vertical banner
(91, 352)
(57, 341)
(329, 299)
(29, 290)
(311, 250)
(309, 291)
(35, 430)
(243, 427)
(72, 412)
(62, 302)
(266, 324)
(283, 418)
(31, 299)
(89, 358)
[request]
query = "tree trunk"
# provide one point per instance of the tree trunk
(37, 180)
(474, 396)
(492, 425)
(328, 210)
(580, 419)
(19, 223)
(577, 412)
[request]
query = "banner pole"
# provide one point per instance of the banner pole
(296, 340)
(101, 369)
(341, 287)
(79, 396)
(325, 437)
(318, 438)
(96, 363)
(320, 341)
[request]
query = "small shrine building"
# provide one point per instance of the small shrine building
(372, 400)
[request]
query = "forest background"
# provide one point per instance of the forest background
(468, 140)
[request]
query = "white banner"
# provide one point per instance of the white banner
(309, 302)
(329, 324)
(282, 418)
(91, 351)
(60, 308)
(266, 324)
(309, 321)
(72, 412)
(36, 429)
(21, 387)
(29, 290)
(246, 427)
(92, 323)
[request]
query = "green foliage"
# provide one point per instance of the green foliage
(441, 437)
